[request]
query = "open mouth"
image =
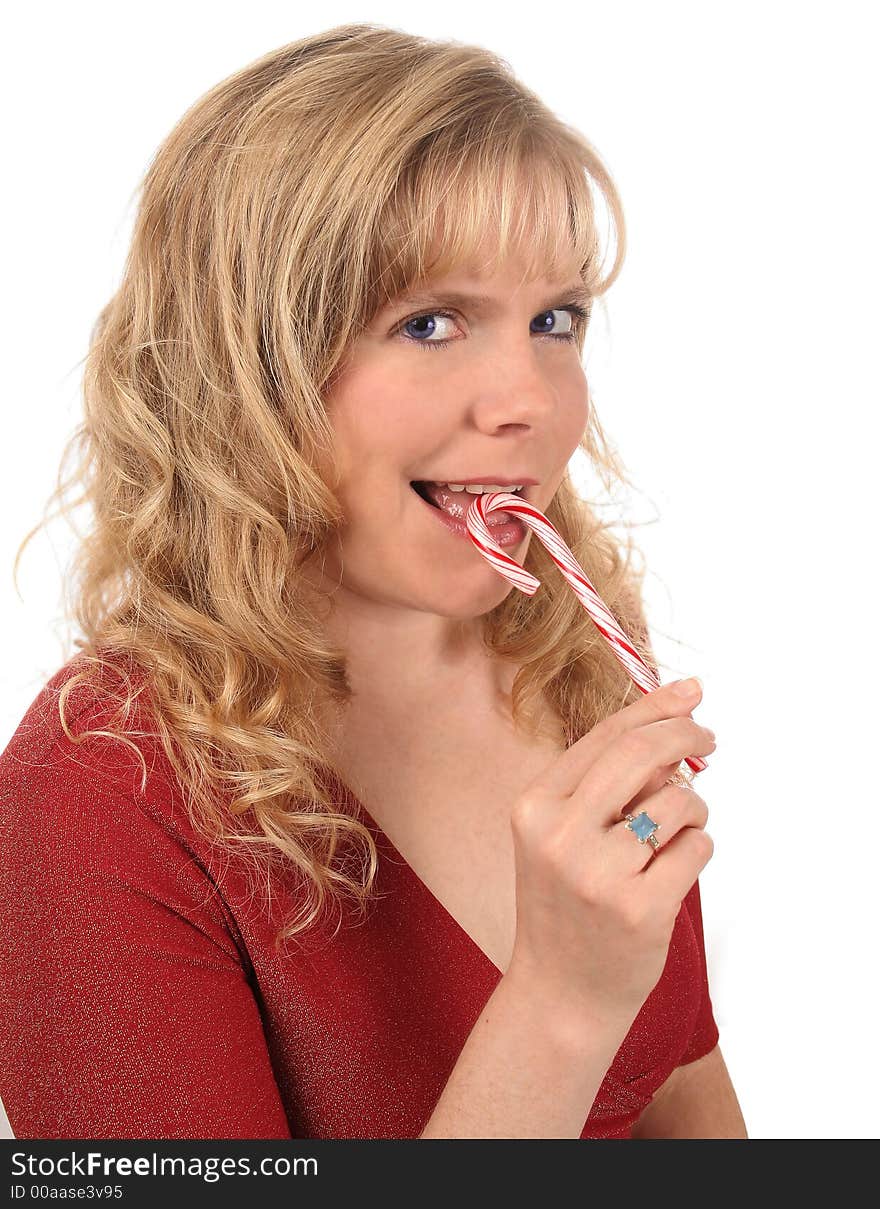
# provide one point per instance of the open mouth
(457, 502)
(421, 489)
(454, 506)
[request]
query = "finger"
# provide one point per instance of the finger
(673, 808)
(566, 772)
(655, 783)
(622, 769)
(677, 865)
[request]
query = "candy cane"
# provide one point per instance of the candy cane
(644, 677)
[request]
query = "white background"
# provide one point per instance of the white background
(734, 367)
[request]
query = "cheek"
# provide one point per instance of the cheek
(387, 429)
(574, 418)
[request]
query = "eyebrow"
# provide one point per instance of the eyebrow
(577, 292)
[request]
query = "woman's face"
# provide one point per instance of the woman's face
(502, 398)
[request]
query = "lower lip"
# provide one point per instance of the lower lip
(511, 533)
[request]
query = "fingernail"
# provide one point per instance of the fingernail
(688, 688)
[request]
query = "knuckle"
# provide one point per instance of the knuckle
(550, 846)
(691, 731)
(704, 843)
(635, 745)
(682, 796)
(679, 797)
(635, 915)
(702, 810)
(606, 727)
(527, 809)
(588, 888)
(553, 853)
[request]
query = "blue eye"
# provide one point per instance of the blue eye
(579, 317)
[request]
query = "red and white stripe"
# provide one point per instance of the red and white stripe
(643, 676)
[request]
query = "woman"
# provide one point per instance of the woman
(303, 697)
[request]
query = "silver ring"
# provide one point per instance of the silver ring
(643, 828)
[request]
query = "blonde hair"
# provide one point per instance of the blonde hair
(286, 207)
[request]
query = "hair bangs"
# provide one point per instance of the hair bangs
(501, 203)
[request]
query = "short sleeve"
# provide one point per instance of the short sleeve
(126, 1009)
(704, 1037)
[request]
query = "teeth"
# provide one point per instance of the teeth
(480, 488)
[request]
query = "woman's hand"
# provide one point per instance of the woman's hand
(595, 909)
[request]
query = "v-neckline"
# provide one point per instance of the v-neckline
(385, 840)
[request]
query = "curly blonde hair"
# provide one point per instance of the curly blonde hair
(288, 205)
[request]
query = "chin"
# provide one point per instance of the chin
(467, 602)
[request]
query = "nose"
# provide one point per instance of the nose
(517, 392)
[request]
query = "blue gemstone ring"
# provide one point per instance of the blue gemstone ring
(643, 828)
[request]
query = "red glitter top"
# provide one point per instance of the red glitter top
(142, 996)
